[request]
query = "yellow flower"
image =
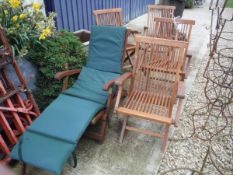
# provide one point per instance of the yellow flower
(45, 33)
(15, 18)
(22, 16)
(14, 3)
(42, 37)
(36, 6)
(5, 12)
(17, 26)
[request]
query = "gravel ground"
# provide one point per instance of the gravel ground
(186, 149)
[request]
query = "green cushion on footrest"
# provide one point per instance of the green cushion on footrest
(43, 152)
(66, 118)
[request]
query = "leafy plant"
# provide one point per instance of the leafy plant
(24, 23)
(50, 57)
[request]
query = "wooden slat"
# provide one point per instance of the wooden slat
(161, 7)
(161, 41)
(144, 115)
(143, 131)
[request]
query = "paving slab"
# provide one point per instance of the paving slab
(138, 154)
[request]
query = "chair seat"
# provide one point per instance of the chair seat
(44, 152)
(147, 104)
(89, 85)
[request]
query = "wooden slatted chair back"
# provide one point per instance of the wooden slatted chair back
(162, 11)
(162, 77)
(109, 17)
(179, 29)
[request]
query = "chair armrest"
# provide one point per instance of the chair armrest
(108, 85)
(118, 81)
(63, 74)
(181, 90)
(121, 80)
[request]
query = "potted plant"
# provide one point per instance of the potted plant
(24, 23)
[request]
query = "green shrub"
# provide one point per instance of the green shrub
(50, 57)
(189, 3)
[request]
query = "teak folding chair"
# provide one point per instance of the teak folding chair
(18, 108)
(50, 140)
(153, 89)
(113, 17)
(179, 29)
(162, 11)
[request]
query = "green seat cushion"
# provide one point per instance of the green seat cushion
(66, 118)
(43, 152)
(89, 85)
(106, 48)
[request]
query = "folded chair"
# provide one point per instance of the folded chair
(50, 140)
(153, 89)
(18, 108)
(163, 11)
(113, 17)
(179, 29)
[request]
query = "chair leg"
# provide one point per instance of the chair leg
(123, 129)
(178, 111)
(187, 65)
(23, 169)
(165, 138)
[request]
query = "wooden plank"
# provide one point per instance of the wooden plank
(143, 115)
(161, 7)
(161, 41)
(143, 131)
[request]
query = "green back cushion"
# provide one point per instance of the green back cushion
(106, 48)
(89, 85)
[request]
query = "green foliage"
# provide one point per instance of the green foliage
(189, 3)
(50, 57)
